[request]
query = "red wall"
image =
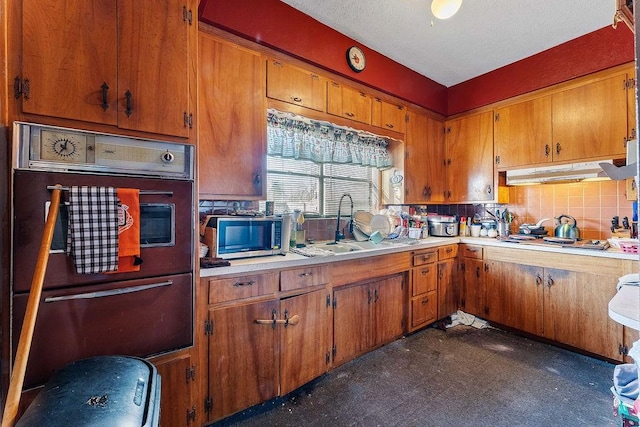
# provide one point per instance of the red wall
(592, 52)
(279, 26)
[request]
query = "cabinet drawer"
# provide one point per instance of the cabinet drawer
(423, 309)
(303, 277)
(471, 251)
(233, 288)
(425, 279)
(448, 251)
(425, 257)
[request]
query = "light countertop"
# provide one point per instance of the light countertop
(291, 260)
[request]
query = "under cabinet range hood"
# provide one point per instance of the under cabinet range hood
(557, 173)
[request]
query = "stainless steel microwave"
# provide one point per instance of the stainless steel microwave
(244, 237)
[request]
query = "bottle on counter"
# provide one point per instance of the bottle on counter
(463, 227)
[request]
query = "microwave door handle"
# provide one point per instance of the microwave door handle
(108, 293)
(273, 234)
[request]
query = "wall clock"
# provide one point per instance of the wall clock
(356, 59)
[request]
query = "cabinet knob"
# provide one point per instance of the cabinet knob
(296, 99)
(558, 148)
(547, 150)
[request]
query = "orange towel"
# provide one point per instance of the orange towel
(129, 230)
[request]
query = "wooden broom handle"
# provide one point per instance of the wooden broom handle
(26, 334)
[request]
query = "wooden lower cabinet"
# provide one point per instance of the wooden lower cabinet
(564, 299)
(261, 350)
(178, 376)
(473, 294)
(243, 367)
(305, 347)
(514, 295)
(367, 315)
(576, 311)
(423, 301)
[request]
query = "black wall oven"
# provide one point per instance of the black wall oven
(139, 313)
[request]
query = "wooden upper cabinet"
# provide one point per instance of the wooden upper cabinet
(388, 116)
(424, 157)
(67, 57)
(469, 169)
(153, 66)
(590, 121)
(119, 63)
(232, 121)
(349, 103)
(522, 133)
(296, 86)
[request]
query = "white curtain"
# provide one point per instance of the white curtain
(293, 136)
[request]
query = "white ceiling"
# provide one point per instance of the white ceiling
(482, 36)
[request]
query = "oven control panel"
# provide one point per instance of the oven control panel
(72, 150)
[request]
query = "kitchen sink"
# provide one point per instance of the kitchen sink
(351, 246)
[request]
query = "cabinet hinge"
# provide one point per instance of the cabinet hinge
(623, 350)
(187, 15)
(497, 160)
(496, 117)
(190, 373)
(334, 351)
(208, 404)
(328, 301)
(629, 83)
(208, 327)
(335, 302)
(21, 88)
(188, 120)
(191, 415)
(406, 118)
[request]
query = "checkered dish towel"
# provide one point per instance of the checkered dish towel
(92, 240)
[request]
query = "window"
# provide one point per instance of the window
(316, 188)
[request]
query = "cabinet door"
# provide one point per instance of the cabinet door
(424, 310)
(576, 311)
(153, 66)
(448, 289)
(295, 85)
(522, 133)
(387, 115)
(178, 407)
(349, 103)
(68, 56)
(232, 121)
(590, 121)
(351, 322)
(424, 279)
(514, 295)
(305, 343)
(388, 304)
(243, 366)
(473, 293)
(470, 159)
(424, 159)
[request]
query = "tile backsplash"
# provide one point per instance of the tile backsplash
(592, 204)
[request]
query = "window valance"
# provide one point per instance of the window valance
(293, 136)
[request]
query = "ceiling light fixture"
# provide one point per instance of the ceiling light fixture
(445, 9)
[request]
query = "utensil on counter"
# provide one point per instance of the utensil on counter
(536, 228)
(567, 228)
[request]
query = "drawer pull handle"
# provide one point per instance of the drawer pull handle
(305, 275)
(296, 99)
(272, 321)
(108, 293)
(425, 271)
(293, 320)
(425, 301)
(249, 283)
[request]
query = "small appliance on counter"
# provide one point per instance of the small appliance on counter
(232, 237)
(443, 225)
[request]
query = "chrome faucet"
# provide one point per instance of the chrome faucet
(339, 234)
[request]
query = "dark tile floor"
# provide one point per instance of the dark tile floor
(458, 377)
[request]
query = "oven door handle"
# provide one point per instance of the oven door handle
(108, 293)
